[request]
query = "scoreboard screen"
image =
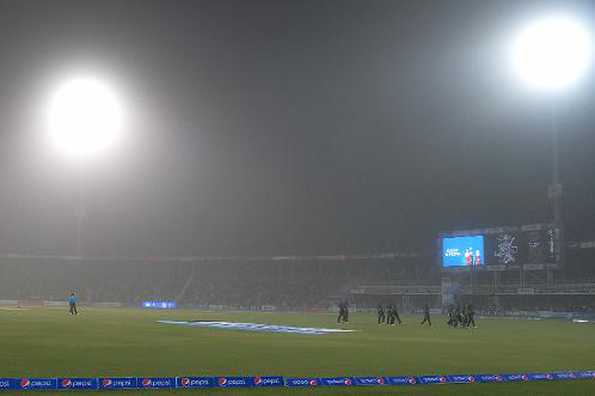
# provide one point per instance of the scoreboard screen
(463, 251)
(501, 247)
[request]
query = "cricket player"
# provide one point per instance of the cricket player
(381, 315)
(427, 316)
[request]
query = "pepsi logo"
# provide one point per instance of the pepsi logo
(25, 382)
(106, 382)
(499, 378)
(471, 378)
(380, 380)
(524, 377)
(222, 381)
(185, 381)
(412, 380)
(442, 380)
(347, 381)
(66, 382)
(313, 382)
(548, 376)
(146, 381)
(257, 380)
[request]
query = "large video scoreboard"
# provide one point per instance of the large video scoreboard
(500, 248)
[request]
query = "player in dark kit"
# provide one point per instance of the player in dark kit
(465, 316)
(395, 315)
(343, 312)
(390, 318)
(461, 316)
(470, 316)
(381, 315)
(72, 300)
(427, 316)
(452, 322)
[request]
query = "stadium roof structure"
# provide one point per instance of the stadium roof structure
(167, 259)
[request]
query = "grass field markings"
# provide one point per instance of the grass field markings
(257, 327)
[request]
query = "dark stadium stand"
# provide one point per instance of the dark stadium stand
(294, 283)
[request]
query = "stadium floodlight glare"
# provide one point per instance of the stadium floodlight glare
(552, 53)
(85, 116)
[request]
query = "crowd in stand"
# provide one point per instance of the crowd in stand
(230, 284)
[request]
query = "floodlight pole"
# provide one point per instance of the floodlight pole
(555, 149)
(80, 214)
(555, 189)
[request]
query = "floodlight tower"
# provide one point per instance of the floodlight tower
(84, 117)
(550, 55)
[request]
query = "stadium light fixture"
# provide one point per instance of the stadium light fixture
(551, 53)
(84, 116)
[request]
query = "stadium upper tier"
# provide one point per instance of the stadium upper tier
(486, 290)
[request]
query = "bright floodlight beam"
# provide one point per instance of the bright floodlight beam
(85, 117)
(552, 53)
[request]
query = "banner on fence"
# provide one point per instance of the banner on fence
(77, 383)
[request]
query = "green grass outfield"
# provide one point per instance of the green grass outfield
(123, 342)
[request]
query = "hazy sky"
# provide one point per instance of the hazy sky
(285, 127)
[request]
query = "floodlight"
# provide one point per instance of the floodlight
(552, 53)
(84, 116)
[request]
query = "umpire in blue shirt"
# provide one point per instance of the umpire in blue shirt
(72, 300)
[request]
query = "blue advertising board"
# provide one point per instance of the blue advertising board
(489, 378)
(117, 383)
(78, 383)
(8, 384)
(196, 382)
(189, 382)
(235, 382)
(156, 382)
(37, 383)
(369, 381)
(269, 381)
(159, 304)
(460, 379)
(432, 379)
(515, 377)
(336, 381)
(299, 382)
(402, 380)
